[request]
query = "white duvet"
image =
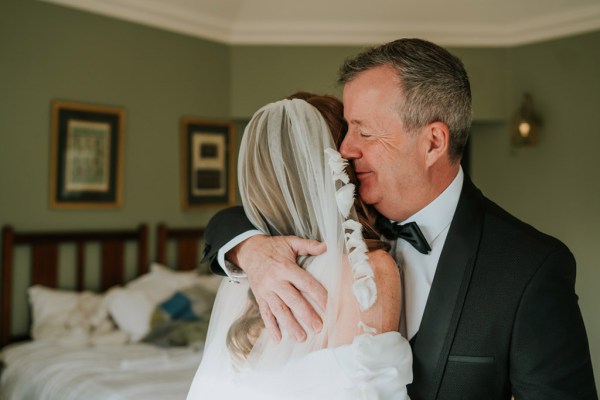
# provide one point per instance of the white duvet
(45, 371)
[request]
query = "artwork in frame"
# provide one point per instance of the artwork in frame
(207, 163)
(86, 156)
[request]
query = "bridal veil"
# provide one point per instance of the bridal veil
(292, 181)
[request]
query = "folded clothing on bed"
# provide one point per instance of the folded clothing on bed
(133, 305)
(182, 319)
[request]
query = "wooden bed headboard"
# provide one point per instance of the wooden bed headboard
(188, 241)
(44, 250)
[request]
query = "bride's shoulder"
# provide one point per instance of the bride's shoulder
(385, 269)
(385, 313)
(382, 262)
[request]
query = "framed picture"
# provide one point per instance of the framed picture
(207, 163)
(86, 156)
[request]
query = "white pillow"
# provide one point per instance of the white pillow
(161, 282)
(175, 279)
(183, 279)
(50, 306)
(132, 306)
(131, 310)
(152, 286)
(68, 317)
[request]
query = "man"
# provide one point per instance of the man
(491, 310)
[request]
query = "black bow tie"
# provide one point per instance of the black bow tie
(409, 232)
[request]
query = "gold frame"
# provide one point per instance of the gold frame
(112, 120)
(226, 131)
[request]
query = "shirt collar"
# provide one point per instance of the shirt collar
(437, 215)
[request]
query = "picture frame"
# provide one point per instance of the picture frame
(86, 160)
(208, 167)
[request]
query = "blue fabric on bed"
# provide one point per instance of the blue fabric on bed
(182, 319)
(179, 307)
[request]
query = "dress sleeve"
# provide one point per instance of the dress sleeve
(379, 366)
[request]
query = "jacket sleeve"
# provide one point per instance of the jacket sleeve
(550, 357)
(223, 227)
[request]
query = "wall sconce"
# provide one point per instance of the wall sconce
(526, 124)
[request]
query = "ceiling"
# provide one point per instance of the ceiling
(357, 22)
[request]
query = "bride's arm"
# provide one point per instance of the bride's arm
(384, 315)
(367, 362)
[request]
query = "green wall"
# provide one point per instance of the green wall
(261, 74)
(55, 53)
(49, 52)
(555, 186)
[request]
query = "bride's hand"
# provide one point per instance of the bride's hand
(278, 282)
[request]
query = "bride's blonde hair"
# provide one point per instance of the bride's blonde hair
(244, 332)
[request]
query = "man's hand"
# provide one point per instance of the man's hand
(278, 282)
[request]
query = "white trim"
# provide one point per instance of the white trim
(164, 16)
(154, 15)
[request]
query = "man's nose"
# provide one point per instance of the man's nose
(348, 149)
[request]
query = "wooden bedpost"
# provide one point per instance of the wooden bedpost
(7, 260)
(142, 249)
(187, 243)
(161, 244)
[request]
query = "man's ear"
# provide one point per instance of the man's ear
(438, 142)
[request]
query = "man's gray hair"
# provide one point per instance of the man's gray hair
(434, 83)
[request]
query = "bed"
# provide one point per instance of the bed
(117, 327)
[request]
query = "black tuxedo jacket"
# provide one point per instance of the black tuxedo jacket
(502, 317)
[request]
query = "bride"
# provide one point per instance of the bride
(293, 181)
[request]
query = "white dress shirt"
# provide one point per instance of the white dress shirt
(419, 269)
(234, 272)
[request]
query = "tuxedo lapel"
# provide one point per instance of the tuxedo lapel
(448, 290)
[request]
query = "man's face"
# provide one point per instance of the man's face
(389, 161)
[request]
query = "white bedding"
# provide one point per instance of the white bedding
(44, 371)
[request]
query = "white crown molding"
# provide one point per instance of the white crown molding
(160, 15)
(154, 15)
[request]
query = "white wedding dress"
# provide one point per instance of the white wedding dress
(293, 181)
(372, 367)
